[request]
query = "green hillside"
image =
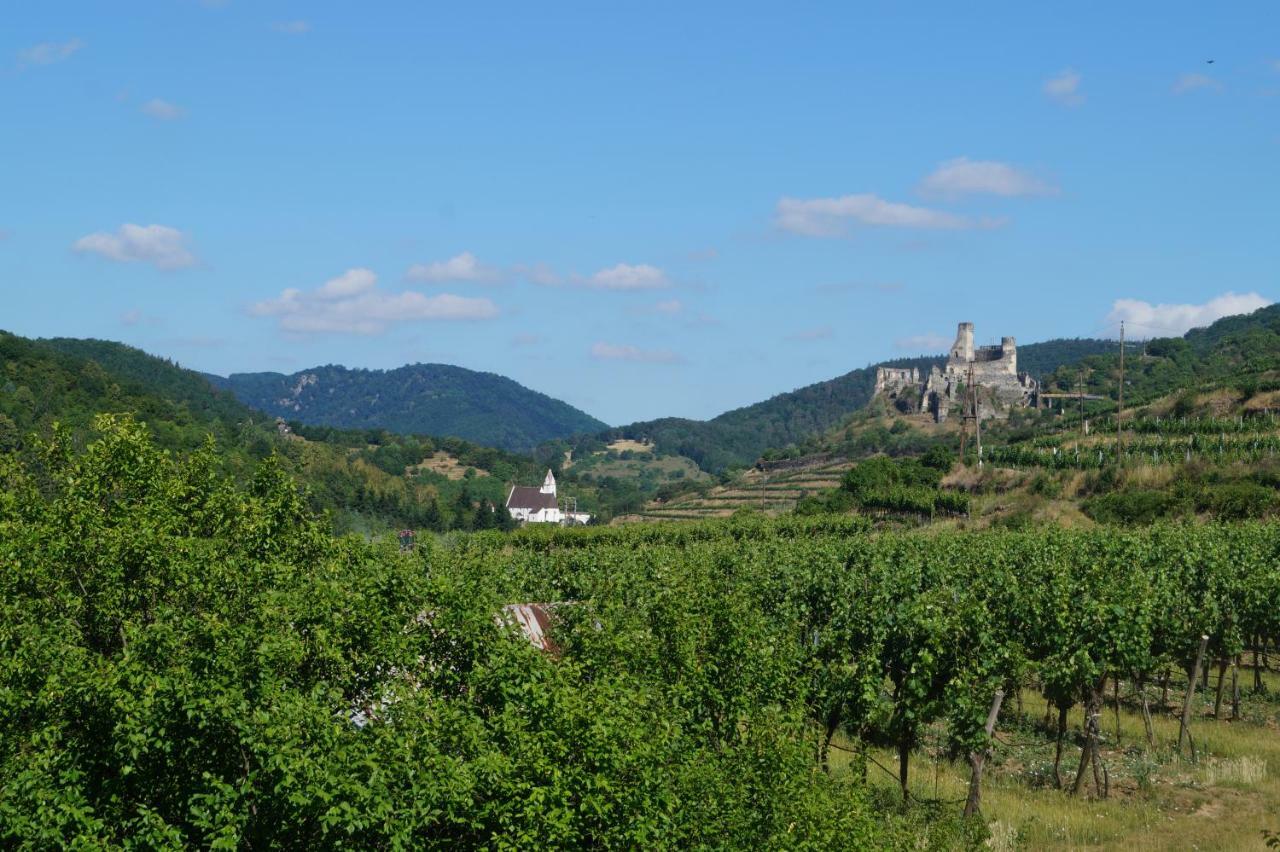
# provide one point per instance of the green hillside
(368, 480)
(738, 437)
(427, 399)
(1199, 439)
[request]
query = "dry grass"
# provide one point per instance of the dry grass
(1265, 401)
(1150, 476)
(623, 444)
(445, 465)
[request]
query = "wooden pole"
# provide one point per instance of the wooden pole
(978, 757)
(1184, 729)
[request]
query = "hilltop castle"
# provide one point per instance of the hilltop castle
(994, 370)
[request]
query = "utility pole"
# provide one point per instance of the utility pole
(977, 421)
(1120, 404)
(1084, 427)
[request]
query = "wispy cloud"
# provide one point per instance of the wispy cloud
(619, 352)
(808, 335)
(962, 176)
(353, 304)
(831, 217)
(159, 245)
(48, 52)
(622, 276)
(526, 339)
(1147, 320)
(1192, 82)
(463, 267)
(1064, 87)
(292, 27)
(162, 110)
(923, 343)
(626, 276)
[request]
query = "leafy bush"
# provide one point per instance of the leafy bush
(1132, 507)
(1237, 500)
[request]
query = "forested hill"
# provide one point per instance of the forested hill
(738, 437)
(432, 399)
(369, 480)
(1241, 351)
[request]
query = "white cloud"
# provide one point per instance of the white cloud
(807, 335)
(351, 283)
(162, 110)
(924, 343)
(161, 246)
(1064, 87)
(526, 339)
(669, 307)
(963, 176)
(1187, 83)
(352, 304)
(292, 27)
(616, 352)
(625, 276)
(828, 217)
(49, 52)
(462, 267)
(1147, 320)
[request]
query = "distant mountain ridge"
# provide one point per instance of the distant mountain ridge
(429, 399)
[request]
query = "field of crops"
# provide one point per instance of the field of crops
(191, 662)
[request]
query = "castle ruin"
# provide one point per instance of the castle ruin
(994, 371)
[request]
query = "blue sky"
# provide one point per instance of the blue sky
(644, 209)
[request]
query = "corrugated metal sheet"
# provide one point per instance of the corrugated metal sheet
(534, 621)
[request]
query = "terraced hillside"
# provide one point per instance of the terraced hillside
(770, 492)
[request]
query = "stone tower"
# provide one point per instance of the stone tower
(962, 349)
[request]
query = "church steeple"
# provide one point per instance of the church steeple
(548, 484)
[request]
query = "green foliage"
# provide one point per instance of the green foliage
(1235, 501)
(907, 486)
(189, 663)
(1132, 507)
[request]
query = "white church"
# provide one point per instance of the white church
(539, 505)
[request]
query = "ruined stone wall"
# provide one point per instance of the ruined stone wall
(994, 370)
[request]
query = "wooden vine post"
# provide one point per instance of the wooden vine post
(978, 757)
(1184, 729)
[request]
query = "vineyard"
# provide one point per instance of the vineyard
(190, 661)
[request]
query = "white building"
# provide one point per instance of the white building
(539, 505)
